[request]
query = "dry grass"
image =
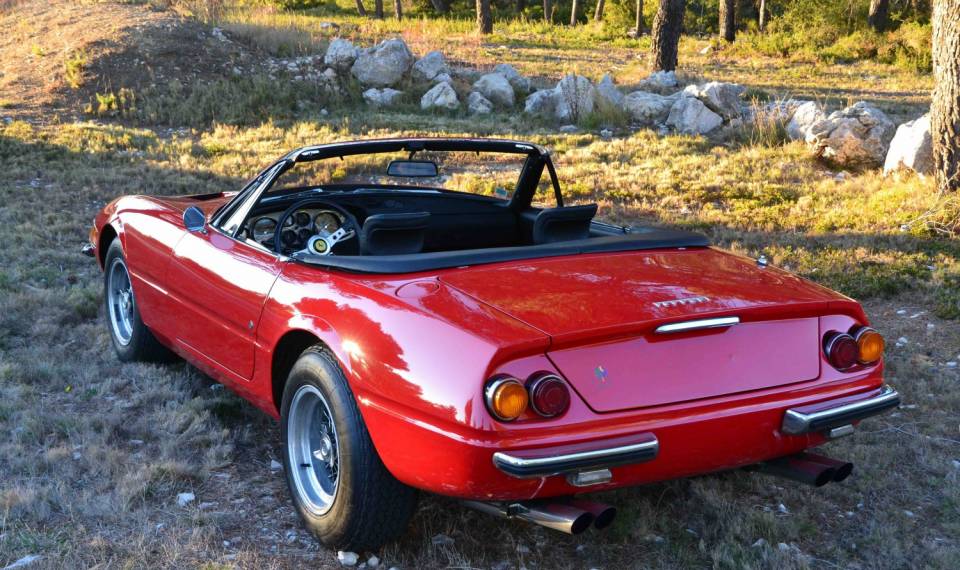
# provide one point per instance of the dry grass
(93, 452)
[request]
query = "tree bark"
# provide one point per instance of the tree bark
(521, 6)
(945, 108)
(574, 8)
(548, 10)
(598, 13)
(667, 25)
(879, 15)
(398, 9)
(360, 9)
(728, 20)
(484, 17)
(762, 16)
(640, 22)
(378, 9)
(440, 6)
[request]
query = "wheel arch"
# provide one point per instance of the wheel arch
(285, 354)
(107, 234)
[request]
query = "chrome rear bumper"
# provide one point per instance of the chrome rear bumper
(825, 416)
(546, 462)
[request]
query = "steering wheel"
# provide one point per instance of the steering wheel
(318, 244)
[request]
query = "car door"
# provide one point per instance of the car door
(219, 285)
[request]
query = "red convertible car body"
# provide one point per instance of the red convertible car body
(661, 357)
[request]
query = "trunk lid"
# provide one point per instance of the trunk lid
(601, 310)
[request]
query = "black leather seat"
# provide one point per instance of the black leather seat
(563, 224)
(393, 234)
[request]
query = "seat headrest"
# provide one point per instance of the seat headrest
(393, 234)
(563, 224)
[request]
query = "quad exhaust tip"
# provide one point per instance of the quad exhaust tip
(570, 517)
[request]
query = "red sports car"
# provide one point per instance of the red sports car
(427, 314)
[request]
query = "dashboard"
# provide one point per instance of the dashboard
(297, 230)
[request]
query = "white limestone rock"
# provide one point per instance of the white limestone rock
(496, 88)
(440, 96)
(859, 135)
(341, 54)
(911, 148)
(383, 65)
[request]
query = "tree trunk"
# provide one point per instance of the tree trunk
(728, 20)
(398, 9)
(945, 108)
(667, 25)
(440, 6)
(378, 9)
(574, 8)
(598, 13)
(879, 14)
(548, 10)
(762, 16)
(639, 18)
(360, 9)
(484, 17)
(521, 6)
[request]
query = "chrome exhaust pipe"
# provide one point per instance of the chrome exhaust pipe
(797, 469)
(557, 516)
(841, 469)
(603, 515)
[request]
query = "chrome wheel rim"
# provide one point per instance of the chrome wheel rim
(120, 302)
(313, 450)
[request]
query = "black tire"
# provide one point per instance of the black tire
(369, 507)
(140, 345)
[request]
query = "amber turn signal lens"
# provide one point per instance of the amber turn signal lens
(871, 345)
(506, 398)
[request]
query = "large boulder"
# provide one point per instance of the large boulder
(383, 65)
(440, 96)
(542, 102)
(721, 98)
(341, 54)
(661, 82)
(648, 108)
(911, 148)
(607, 92)
(690, 116)
(804, 116)
(428, 67)
(520, 84)
(576, 97)
(496, 87)
(856, 136)
(382, 97)
(477, 104)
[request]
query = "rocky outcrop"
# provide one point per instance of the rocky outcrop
(804, 116)
(542, 103)
(382, 97)
(690, 116)
(520, 84)
(721, 98)
(383, 65)
(428, 67)
(856, 136)
(440, 96)
(575, 98)
(341, 54)
(608, 94)
(496, 88)
(477, 104)
(911, 148)
(648, 108)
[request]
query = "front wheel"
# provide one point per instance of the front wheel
(338, 483)
(131, 338)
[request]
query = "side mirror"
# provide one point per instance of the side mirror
(195, 220)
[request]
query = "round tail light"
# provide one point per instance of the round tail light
(841, 350)
(870, 345)
(506, 398)
(549, 395)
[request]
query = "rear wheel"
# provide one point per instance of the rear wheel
(132, 340)
(338, 483)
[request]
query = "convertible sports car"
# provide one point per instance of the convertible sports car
(428, 314)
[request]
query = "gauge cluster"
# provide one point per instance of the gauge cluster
(297, 230)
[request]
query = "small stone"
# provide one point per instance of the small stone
(136, 442)
(760, 543)
(23, 562)
(373, 562)
(783, 509)
(568, 129)
(783, 547)
(290, 536)
(606, 133)
(442, 540)
(910, 514)
(347, 558)
(184, 499)
(207, 505)
(77, 455)
(477, 104)
(902, 312)
(381, 97)
(956, 464)
(275, 465)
